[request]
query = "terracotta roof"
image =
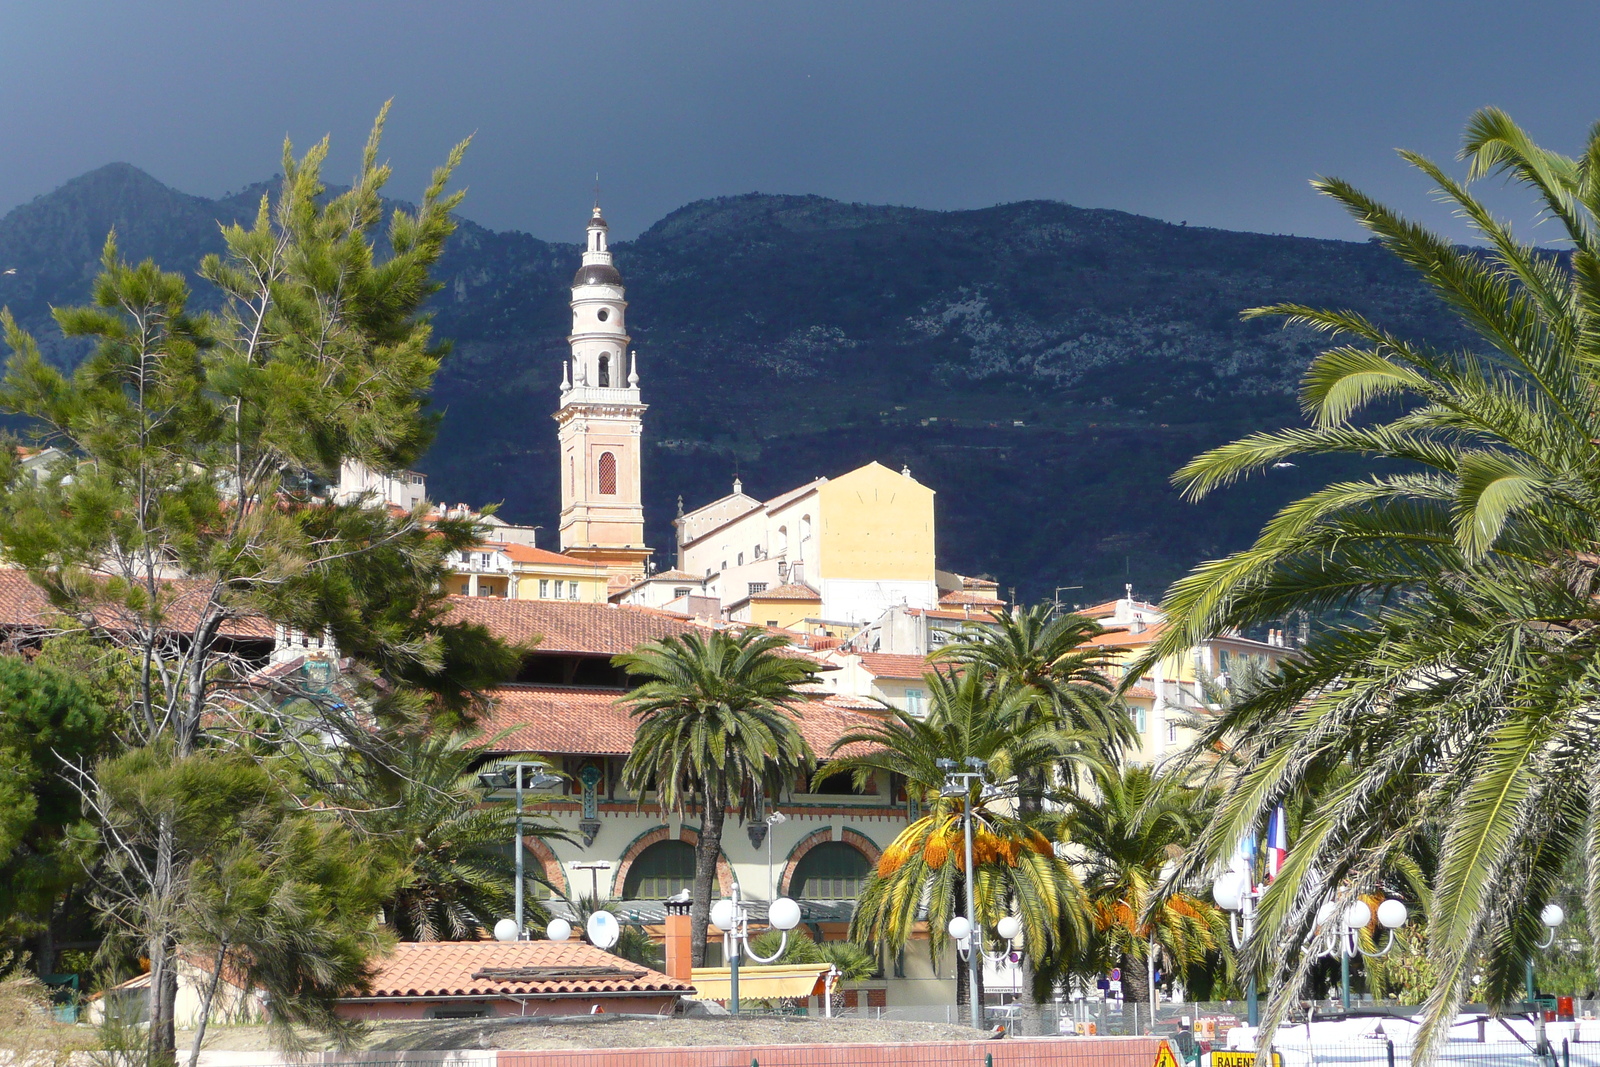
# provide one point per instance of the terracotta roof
(569, 721)
(23, 604)
(524, 554)
(790, 591)
(560, 720)
(969, 596)
(957, 616)
(673, 575)
(1122, 637)
(458, 969)
(890, 665)
(568, 626)
(1140, 692)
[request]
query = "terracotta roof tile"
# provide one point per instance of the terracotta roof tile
(446, 969)
(23, 604)
(970, 596)
(524, 554)
(1122, 637)
(568, 626)
(890, 665)
(973, 615)
(569, 721)
(790, 591)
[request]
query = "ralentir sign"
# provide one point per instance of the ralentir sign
(1230, 1058)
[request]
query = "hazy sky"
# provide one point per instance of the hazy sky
(1210, 112)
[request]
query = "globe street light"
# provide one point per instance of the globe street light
(1552, 916)
(774, 820)
(1357, 916)
(731, 917)
(959, 784)
(1235, 894)
(1009, 928)
(501, 777)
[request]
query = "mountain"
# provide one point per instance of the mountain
(1043, 367)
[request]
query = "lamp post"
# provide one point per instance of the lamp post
(1392, 915)
(1552, 916)
(959, 784)
(1235, 894)
(500, 778)
(773, 821)
(962, 932)
(731, 917)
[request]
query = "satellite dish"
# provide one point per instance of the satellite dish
(603, 929)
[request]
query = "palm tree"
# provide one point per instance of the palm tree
(420, 797)
(1124, 837)
(1051, 654)
(1464, 690)
(922, 874)
(716, 727)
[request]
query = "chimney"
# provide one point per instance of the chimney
(680, 950)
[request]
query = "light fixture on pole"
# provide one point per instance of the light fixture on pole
(1552, 916)
(733, 919)
(959, 784)
(1235, 893)
(774, 820)
(516, 776)
(1346, 935)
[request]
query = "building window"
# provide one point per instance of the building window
(466, 557)
(772, 622)
(483, 560)
(680, 590)
(831, 871)
(914, 701)
(756, 587)
(605, 374)
(544, 589)
(783, 539)
(608, 474)
(740, 559)
(572, 590)
(1136, 713)
(1172, 733)
(663, 870)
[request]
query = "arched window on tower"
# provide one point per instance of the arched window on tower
(805, 534)
(608, 473)
(604, 381)
(783, 540)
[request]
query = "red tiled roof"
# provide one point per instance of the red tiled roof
(1140, 692)
(446, 969)
(970, 596)
(790, 591)
(524, 554)
(890, 665)
(958, 616)
(568, 626)
(24, 604)
(594, 722)
(1122, 637)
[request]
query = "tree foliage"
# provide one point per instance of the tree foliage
(1463, 694)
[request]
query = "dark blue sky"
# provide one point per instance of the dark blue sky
(1210, 112)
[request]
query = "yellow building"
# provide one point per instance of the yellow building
(519, 572)
(864, 541)
(790, 607)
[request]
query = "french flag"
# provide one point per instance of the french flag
(1277, 842)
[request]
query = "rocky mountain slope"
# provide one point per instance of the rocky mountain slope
(1043, 367)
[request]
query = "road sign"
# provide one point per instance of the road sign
(1164, 1057)
(1230, 1058)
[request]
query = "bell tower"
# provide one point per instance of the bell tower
(601, 419)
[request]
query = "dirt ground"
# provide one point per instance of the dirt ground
(603, 1032)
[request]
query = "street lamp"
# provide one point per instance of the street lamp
(502, 777)
(773, 821)
(1008, 929)
(1552, 916)
(1235, 895)
(1357, 916)
(959, 784)
(731, 917)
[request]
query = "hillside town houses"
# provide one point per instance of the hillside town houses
(844, 565)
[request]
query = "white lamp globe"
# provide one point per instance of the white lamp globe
(1357, 915)
(722, 915)
(1228, 891)
(1008, 928)
(959, 928)
(557, 930)
(505, 930)
(1552, 915)
(1393, 914)
(1326, 912)
(783, 914)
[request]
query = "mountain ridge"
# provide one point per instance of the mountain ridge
(1043, 367)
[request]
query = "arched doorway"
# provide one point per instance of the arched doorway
(662, 870)
(833, 870)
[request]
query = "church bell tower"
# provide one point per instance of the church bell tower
(601, 419)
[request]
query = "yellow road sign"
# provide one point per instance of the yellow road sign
(1164, 1057)
(1230, 1058)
